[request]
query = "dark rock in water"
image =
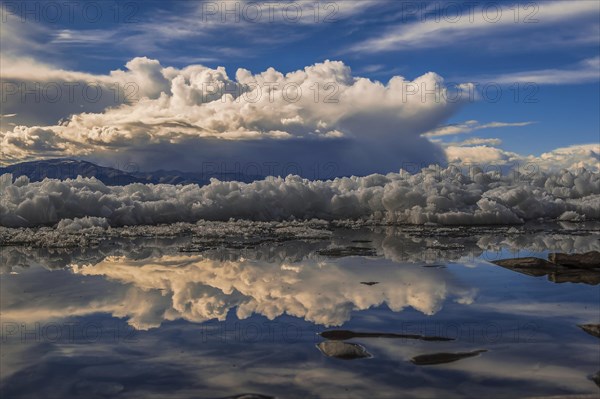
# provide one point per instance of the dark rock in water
(596, 378)
(342, 335)
(347, 251)
(435, 266)
(524, 263)
(250, 396)
(535, 267)
(590, 277)
(585, 260)
(592, 329)
(343, 350)
(441, 358)
(556, 273)
(369, 282)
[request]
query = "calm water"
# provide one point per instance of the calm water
(141, 319)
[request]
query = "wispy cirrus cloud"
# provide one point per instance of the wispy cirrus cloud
(480, 141)
(585, 71)
(471, 126)
(209, 29)
(489, 24)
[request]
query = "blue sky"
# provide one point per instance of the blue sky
(549, 49)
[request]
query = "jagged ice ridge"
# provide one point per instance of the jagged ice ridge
(434, 195)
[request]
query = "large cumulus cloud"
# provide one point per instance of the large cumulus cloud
(485, 153)
(183, 117)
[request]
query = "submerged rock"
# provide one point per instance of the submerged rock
(585, 260)
(342, 335)
(592, 329)
(341, 252)
(441, 358)
(343, 350)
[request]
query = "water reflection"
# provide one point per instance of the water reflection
(138, 318)
(399, 244)
(198, 288)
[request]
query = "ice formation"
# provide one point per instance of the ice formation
(434, 195)
(55, 248)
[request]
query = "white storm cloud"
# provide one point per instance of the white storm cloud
(322, 113)
(484, 153)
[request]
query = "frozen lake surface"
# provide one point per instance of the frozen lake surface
(315, 309)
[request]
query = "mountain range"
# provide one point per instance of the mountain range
(64, 168)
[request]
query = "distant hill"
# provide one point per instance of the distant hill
(69, 169)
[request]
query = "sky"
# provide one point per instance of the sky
(341, 85)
